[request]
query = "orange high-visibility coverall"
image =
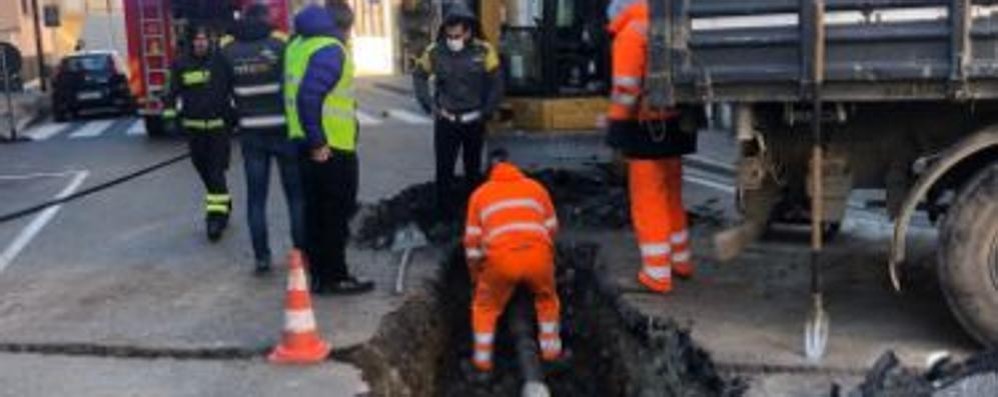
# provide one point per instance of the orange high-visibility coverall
(653, 147)
(509, 240)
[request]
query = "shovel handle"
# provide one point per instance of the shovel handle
(400, 276)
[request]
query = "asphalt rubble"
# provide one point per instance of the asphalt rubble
(585, 199)
(973, 377)
(421, 349)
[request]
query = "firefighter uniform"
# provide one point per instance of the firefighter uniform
(200, 87)
(509, 240)
(653, 142)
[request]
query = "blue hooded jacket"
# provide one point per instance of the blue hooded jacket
(325, 68)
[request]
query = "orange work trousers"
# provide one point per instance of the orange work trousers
(504, 270)
(659, 218)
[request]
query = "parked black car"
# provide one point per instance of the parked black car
(88, 83)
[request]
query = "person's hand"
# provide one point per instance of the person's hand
(321, 154)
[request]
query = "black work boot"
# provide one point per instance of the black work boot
(474, 375)
(214, 227)
(262, 268)
(348, 286)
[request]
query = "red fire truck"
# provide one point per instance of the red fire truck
(154, 29)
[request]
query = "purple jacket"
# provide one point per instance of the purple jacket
(323, 73)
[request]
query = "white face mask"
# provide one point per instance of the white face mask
(455, 44)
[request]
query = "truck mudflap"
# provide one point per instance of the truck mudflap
(973, 144)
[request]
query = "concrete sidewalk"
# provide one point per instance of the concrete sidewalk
(30, 106)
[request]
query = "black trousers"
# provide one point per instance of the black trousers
(210, 153)
(330, 202)
(449, 138)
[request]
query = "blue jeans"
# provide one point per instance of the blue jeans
(259, 148)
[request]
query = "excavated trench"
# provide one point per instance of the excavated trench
(420, 348)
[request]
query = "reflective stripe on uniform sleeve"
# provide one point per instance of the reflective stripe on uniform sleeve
(474, 253)
(263, 89)
(655, 249)
(262, 121)
(473, 231)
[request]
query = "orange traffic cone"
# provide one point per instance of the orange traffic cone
(301, 343)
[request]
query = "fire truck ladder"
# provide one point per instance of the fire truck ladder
(153, 36)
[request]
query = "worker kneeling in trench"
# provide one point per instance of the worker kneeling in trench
(509, 241)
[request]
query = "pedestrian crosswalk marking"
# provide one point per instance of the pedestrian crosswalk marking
(92, 129)
(46, 131)
(409, 117)
(367, 119)
(137, 128)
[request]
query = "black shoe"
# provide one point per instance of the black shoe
(560, 365)
(214, 229)
(262, 268)
(474, 375)
(348, 286)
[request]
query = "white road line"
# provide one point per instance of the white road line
(38, 175)
(92, 129)
(45, 131)
(138, 128)
(367, 119)
(409, 117)
(36, 225)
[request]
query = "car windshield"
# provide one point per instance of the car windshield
(95, 63)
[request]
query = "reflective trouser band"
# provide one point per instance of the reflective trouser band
(203, 124)
(655, 249)
(218, 198)
(550, 344)
(658, 272)
(483, 350)
(217, 208)
(169, 114)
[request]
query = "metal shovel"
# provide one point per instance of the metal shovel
(813, 51)
(407, 239)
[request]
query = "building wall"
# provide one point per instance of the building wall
(16, 27)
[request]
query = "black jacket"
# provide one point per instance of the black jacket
(657, 139)
(255, 52)
(202, 86)
(466, 80)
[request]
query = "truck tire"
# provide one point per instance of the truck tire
(968, 256)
